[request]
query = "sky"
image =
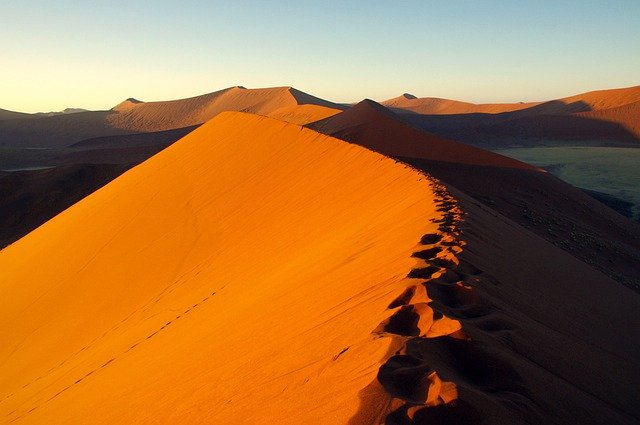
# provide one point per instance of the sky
(94, 54)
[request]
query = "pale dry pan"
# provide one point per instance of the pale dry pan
(236, 277)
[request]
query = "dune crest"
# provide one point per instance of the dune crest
(246, 265)
(280, 102)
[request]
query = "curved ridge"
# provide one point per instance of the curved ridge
(250, 259)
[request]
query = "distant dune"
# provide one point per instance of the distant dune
(134, 116)
(602, 117)
(438, 106)
(9, 115)
(590, 101)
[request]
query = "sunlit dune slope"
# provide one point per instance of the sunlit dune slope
(439, 106)
(235, 277)
(376, 127)
(280, 102)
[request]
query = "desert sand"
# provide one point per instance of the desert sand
(554, 210)
(238, 275)
(258, 271)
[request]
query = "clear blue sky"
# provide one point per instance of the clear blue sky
(94, 54)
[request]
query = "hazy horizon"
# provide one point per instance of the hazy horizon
(94, 56)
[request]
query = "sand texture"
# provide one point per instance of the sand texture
(239, 275)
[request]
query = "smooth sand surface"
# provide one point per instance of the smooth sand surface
(236, 277)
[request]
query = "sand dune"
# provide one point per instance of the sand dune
(239, 275)
(256, 271)
(601, 118)
(376, 127)
(9, 115)
(438, 106)
(628, 116)
(554, 210)
(282, 102)
(590, 101)
(134, 116)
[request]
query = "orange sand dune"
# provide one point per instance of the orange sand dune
(590, 101)
(133, 116)
(438, 106)
(605, 99)
(377, 128)
(236, 277)
(554, 210)
(281, 102)
(627, 115)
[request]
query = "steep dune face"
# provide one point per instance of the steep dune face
(377, 128)
(238, 275)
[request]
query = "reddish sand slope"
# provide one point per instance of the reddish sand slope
(133, 116)
(628, 116)
(438, 106)
(377, 128)
(236, 277)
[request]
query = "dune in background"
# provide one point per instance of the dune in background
(439, 106)
(600, 118)
(238, 275)
(134, 116)
(596, 100)
(285, 103)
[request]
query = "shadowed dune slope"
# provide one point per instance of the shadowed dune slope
(235, 277)
(285, 103)
(597, 117)
(376, 127)
(627, 115)
(556, 211)
(552, 340)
